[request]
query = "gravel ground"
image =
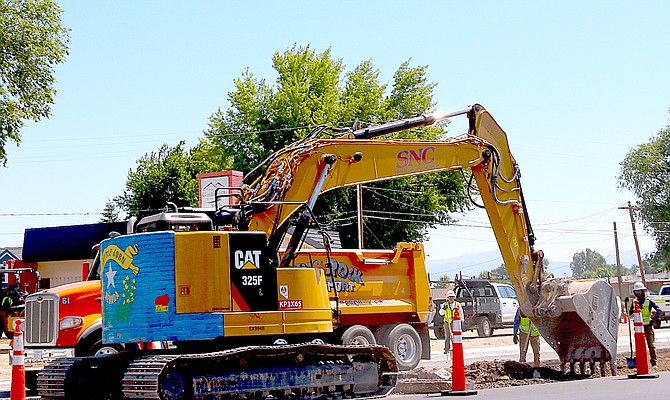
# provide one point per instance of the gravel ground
(479, 375)
(503, 373)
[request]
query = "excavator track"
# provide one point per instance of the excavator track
(305, 370)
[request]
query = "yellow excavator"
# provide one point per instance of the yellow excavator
(579, 319)
(237, 311)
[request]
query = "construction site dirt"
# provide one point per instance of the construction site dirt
(507, 371)
(482, 374)
(503, 373)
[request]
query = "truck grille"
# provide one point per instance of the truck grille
(41, 319)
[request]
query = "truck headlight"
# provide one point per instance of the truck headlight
(70, 322)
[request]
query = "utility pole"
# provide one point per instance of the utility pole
(359, 197)
(359, 208)
(637, 245)
(618, 261)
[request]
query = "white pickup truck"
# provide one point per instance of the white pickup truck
(662, 299)
(486, 306)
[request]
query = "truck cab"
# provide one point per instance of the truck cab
(662, 300)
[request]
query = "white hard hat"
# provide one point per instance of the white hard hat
(638, 286)
(451, 293)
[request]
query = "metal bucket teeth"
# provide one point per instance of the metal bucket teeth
(585, 327)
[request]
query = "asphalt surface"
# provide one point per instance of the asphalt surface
(609, 388)
(613, 387)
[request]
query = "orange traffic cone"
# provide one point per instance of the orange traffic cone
(640, 346)
(18, 389)
(624, 318)
(458, 386)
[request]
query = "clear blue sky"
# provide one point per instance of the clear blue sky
(575, 84)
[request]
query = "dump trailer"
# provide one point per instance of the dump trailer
(225, 299)
(380, 297)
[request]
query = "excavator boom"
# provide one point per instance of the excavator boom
(578, 319)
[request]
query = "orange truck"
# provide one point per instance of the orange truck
(68, 323)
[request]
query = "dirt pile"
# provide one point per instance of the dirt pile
(503, 373)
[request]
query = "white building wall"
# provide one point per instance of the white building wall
(61, 272)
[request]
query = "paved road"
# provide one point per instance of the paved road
(475, 350)
(609, 388)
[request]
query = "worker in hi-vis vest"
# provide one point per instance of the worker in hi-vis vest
(449, 307)
(526, 332)
(646, 307)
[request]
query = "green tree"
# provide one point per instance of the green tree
(645, 171)
(586, 261)
(500, 272)
(110, 213)
(599, 272)
(168, 175)
(653, 264)
(442, 282)
(484, 275)
(650, 264)
(32, 42)
(310, 90)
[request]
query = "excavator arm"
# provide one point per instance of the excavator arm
(578, 319)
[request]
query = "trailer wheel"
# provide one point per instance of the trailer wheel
(405, 344)
(358, 334)
(484, 328)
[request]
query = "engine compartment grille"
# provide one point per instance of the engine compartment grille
(41, 319)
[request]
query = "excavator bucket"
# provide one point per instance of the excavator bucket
(583, 326)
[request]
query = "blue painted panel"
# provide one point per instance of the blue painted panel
(138, 293)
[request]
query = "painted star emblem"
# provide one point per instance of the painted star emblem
(110, 276)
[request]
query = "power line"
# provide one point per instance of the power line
(56, 214)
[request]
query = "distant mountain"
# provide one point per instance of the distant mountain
(467, 264)
(473, 264)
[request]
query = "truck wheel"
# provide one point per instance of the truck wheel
(405, 344)
(101, 349)
(358, 334)
(484, 328)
